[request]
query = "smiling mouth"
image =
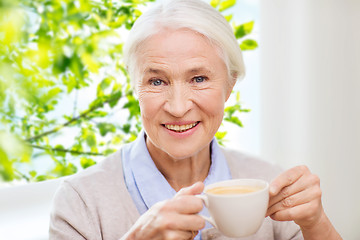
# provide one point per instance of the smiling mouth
(180, 128)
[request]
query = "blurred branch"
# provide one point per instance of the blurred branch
(66, 150)
(21, 175)
(47, 47)
(74, 119)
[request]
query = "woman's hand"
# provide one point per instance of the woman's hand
(295, 195)
(171, 219)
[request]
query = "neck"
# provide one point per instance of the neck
(181, 172)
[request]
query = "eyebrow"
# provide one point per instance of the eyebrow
(199, 70)
(192, 70)
(154, 70)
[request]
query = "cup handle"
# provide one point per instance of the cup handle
(206, 203)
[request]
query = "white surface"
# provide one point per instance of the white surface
(310, 81)
(25, 209)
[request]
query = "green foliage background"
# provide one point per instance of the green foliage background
(52, 55)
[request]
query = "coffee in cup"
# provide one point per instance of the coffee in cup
(230, 190)
(237, 207)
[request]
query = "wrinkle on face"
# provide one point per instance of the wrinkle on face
(175, 58)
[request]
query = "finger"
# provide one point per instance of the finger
(178, 235)
(186, 204)
(188, 223)
(158, 221)
(294, 200)
(304, 182)
(194, 189)
(298, 186)
(287, 178)
(301, 214)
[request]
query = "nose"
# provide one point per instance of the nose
(178, 101)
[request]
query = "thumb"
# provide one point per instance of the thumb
(194, 189)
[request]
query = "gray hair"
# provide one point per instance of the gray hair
(195, 15)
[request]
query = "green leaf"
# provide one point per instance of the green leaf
(126, 128)
(90, 62)
(86, 162)
(118, 22)
(102, 86)
(104, 128)
(248, 44)
(109, 151)
(60, 64)
(7, 170)
(97, 114)
(64, 169)
(52, 93)
(229, 17)
(70, 82)
(90, 139)
(97, 103)
(244, 29)
(226, 5)
(237, 96)
(214, 3)
(220, 135)
(59, 153)
(234, 120)
(105, 83)
(117, 139)
(133, 106)
(32, 173)
(114, 98)
(77, 148)
(44, 177)
(229, 111)
(77, 68)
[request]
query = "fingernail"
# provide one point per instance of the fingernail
(272, 189)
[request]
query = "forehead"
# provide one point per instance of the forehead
(178, 47)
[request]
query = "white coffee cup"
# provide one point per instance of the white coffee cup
(239, 214)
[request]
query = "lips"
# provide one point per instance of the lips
(180, 128)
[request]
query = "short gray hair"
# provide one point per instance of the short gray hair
(195, 15)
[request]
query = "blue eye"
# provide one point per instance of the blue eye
(156, 82)
(199, 79)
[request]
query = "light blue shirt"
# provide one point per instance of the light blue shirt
(148, 186)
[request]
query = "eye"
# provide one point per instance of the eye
(156, 82)
(199, 79)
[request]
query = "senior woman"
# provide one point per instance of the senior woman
(183, 60)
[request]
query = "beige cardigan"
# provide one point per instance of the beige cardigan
(95, 204)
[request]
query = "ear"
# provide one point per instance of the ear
(230, 86)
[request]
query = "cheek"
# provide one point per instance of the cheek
(149, 105)
(212, 103)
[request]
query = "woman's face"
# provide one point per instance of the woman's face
(182, 90)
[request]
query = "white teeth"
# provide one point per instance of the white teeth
(180, 128)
